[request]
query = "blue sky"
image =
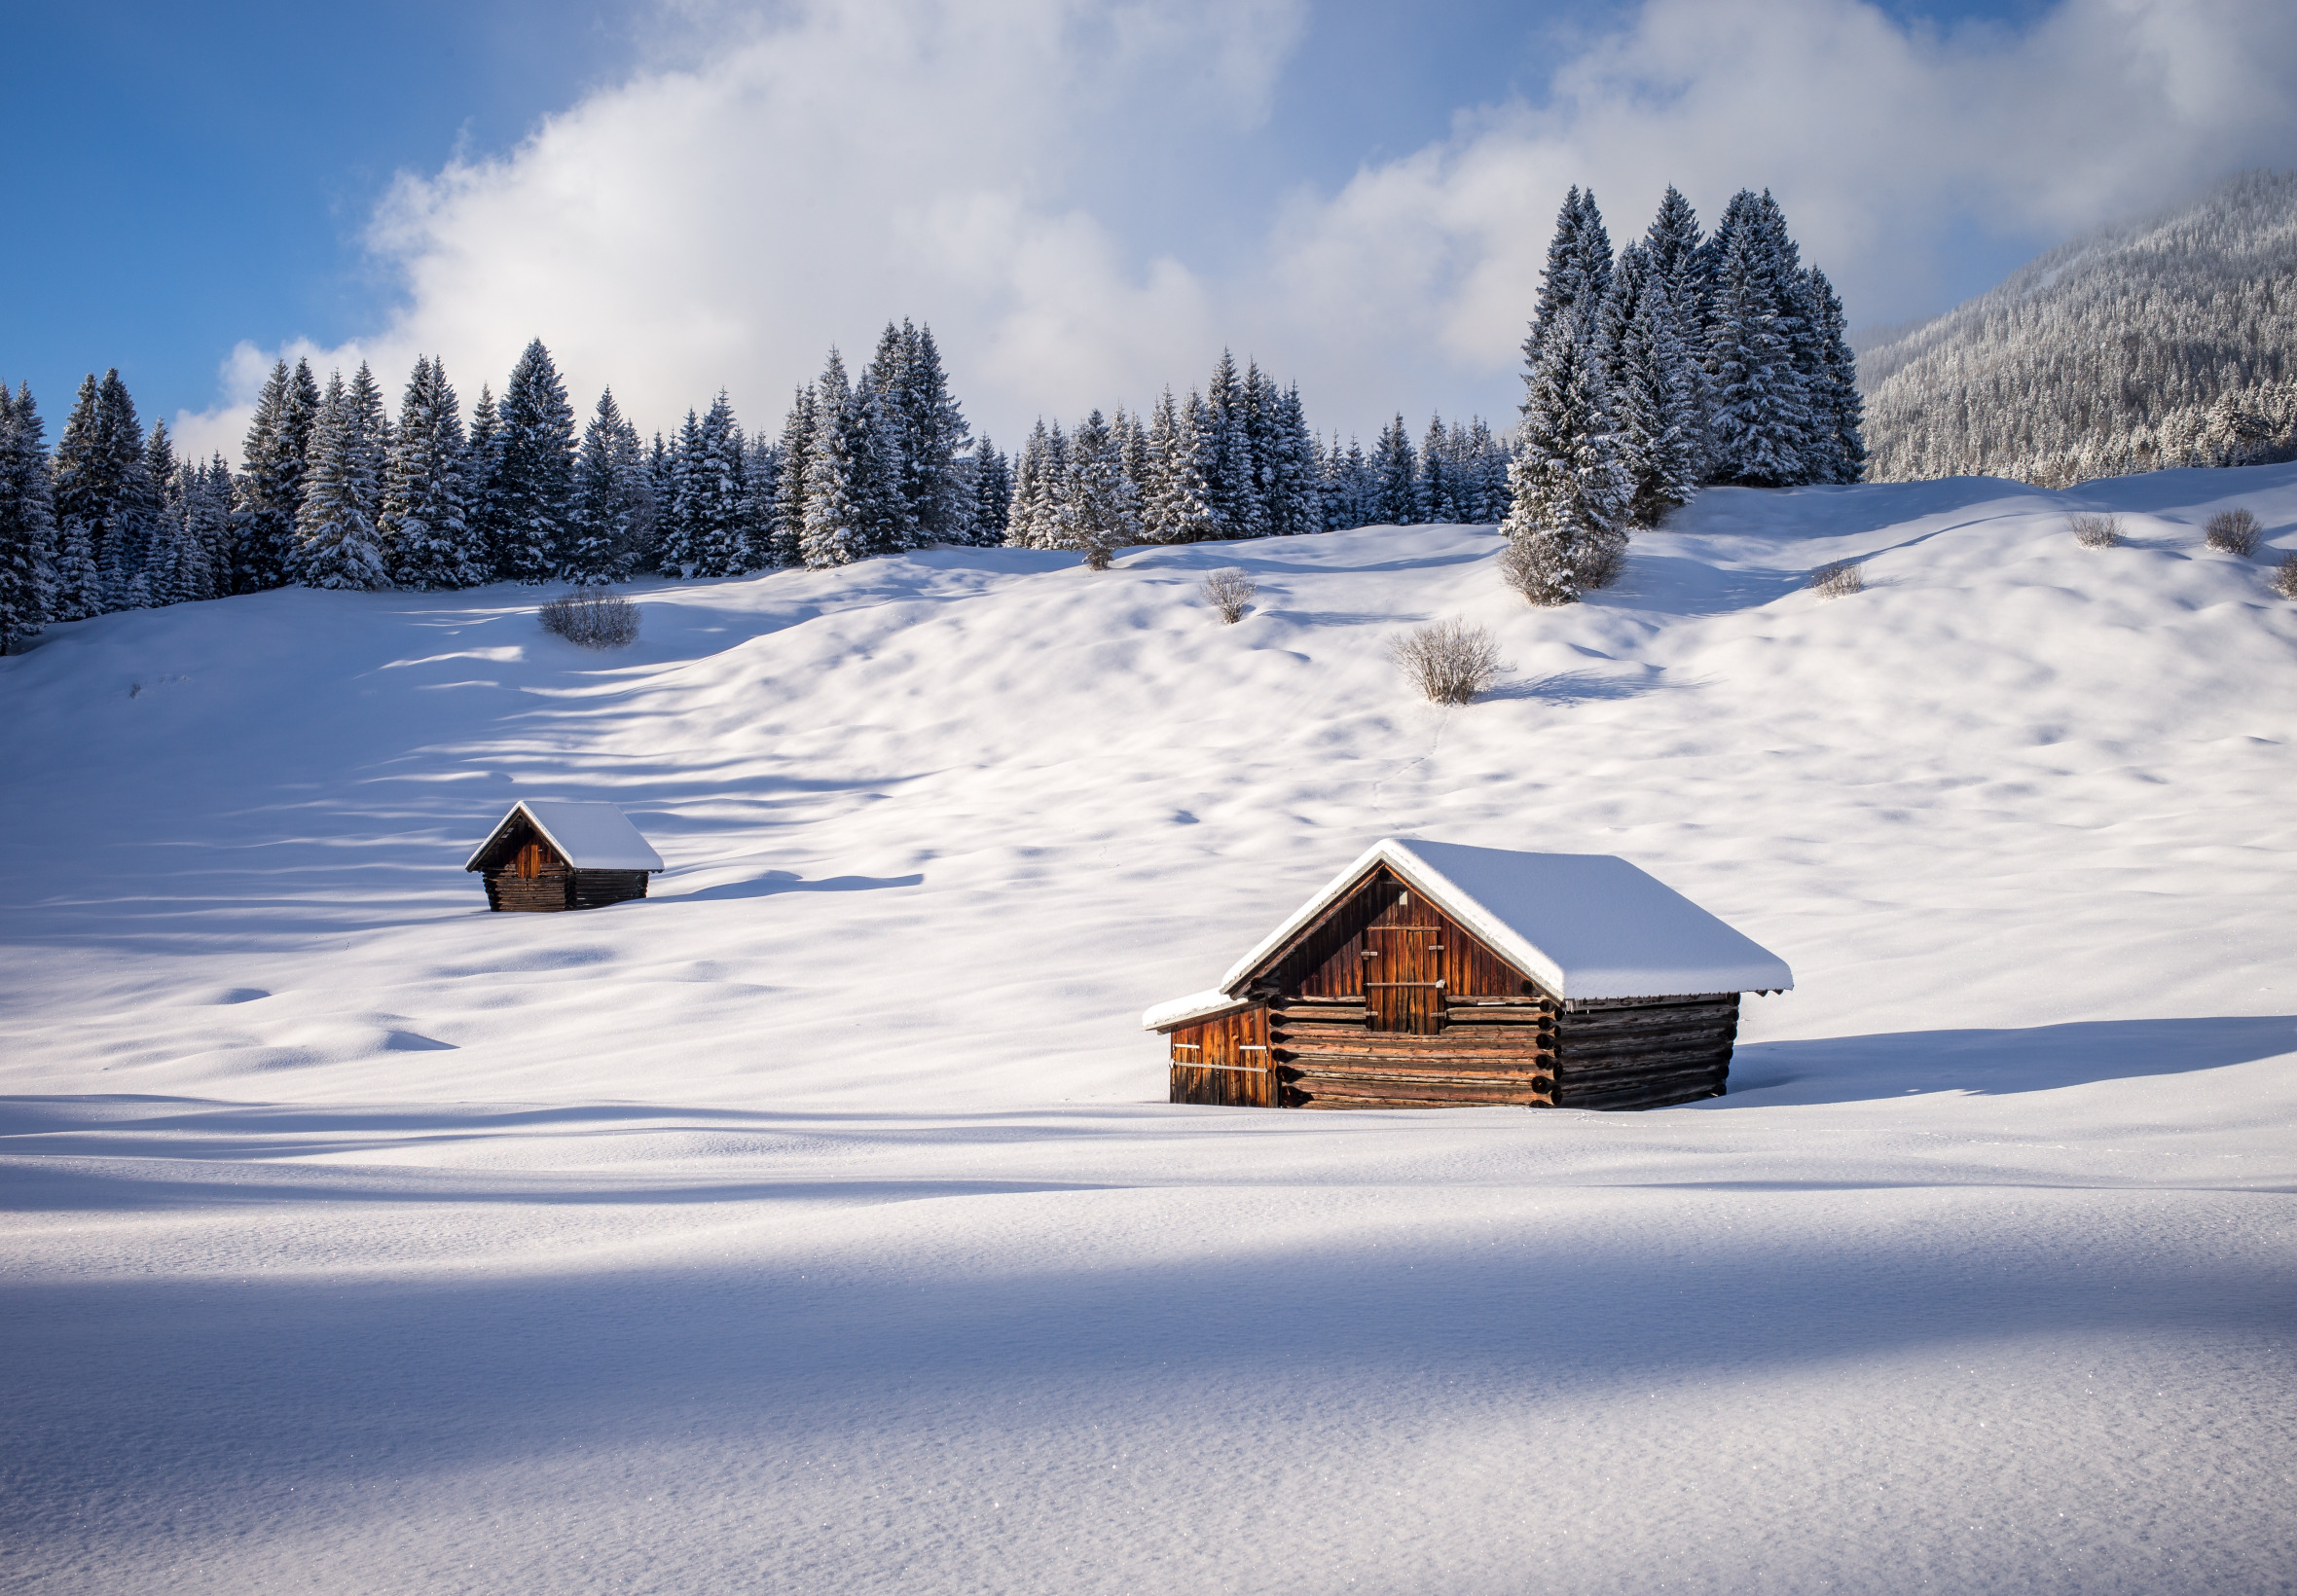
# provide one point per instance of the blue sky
(196, 181)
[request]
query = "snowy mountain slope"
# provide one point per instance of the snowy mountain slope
(817, 1225)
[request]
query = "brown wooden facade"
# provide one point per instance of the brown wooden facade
(522, 871)
(1384, 1002)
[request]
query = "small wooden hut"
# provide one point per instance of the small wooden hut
(1432, 974)
(551, 854)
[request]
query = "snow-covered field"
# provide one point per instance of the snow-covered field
(818, 1224)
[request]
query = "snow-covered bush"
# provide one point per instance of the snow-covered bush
(2092, 532)
(1229, 591)
(1450, 661)
(1839, 580)
(2284, 580)
(2236, 531)
(592, 617)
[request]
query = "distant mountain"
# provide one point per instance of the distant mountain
(2166, 342)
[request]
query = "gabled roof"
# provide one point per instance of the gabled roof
(589, 836)
(1581, 924)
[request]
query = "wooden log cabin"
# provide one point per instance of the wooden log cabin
(1431, 975)
(554, 853)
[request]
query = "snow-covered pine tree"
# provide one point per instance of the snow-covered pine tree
(993, 491)
(1395, 472)
(335, 542)
(1570, 492)
(896, 453)
(933, 436)
(682, 547)
(799, 430)
(1654, 403)
(482, 486)
(208, 524)
(1577, 270)
(1433, 500)
(1228, 455)
(536, 489)
(1263, 408)
(1100, 511)
(715, 484)
(85, 493)
(425, 523)
(831, 533)
(1295, 499)
(165, 565)
(1837, 412)
(271, 487)
(28, 519)
(1032, 493)
(761, 491)
(104, 488)
(1759, 418)
(598, 550)
(1672, 248)
(1488, 471)
(1797, 329)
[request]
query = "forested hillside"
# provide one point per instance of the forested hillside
(2166, 342)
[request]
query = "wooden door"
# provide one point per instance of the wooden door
(1405, 959)
(529, 861)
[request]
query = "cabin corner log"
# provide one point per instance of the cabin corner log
(1382, 999)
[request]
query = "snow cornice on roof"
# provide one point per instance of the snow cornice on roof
(588, 834)
(1583, 926)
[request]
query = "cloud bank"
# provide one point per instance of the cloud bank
(1045, 181)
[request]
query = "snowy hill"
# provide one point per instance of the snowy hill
(2158, 343)
(818, 1223)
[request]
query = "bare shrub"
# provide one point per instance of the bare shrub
(1450, 661)
(2236, 531)
(1229, 591)
(593, 617)
(1839, 580)
(2095, 531)
(2284, 580)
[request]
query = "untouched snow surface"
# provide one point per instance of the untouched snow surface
(817, 1225)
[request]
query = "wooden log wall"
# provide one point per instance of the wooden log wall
(1386, 1002)
(543, 892)
(595, 889)
(1225, 1062)
(1645, 1052)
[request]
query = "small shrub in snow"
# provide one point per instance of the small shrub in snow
(2236, 531)
(1229, 591)
(2284, 580)
(1450, 661)
(592, 617)
(1548, 568)
(2095, 531)
(1839, 580)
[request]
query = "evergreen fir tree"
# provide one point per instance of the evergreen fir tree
(1101, 509)
(1837, 413)
(535, 481)
(831, 535)
(481, 487)
(1760, 419)
(1195, 514)
(1577, 271)
(719, 492)
(993, 491)
(685, 550)
(168, 566)
(1395, 472)
(1229, 474)
(798, 434)
(934, 434)
(1570, 492)
(761, 489)
(1295, 505)
(335, 543)
(85, 493)
(598, 551)
(27, 520)
(271, 489)
(365, 396)
(207, 526)
(1433, 500)
(1671, 246)
(1031, 499)
(1655, 396)
(424, 525)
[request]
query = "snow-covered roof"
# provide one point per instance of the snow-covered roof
(1197, 1005)
(589, 836)
(1581, 924)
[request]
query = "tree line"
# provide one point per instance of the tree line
(1682, 361)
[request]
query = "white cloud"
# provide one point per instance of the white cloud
(997, 170)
